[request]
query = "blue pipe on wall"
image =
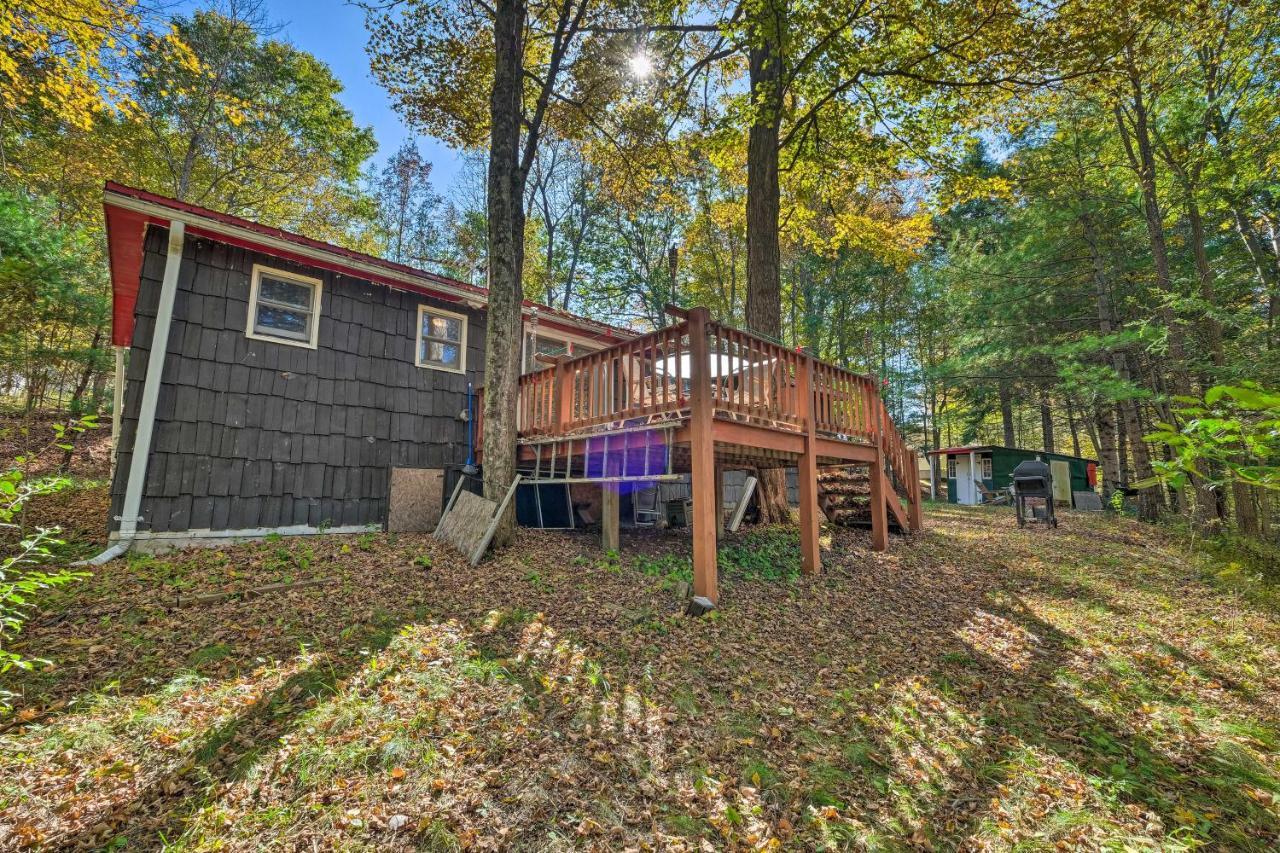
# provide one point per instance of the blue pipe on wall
(470, 467)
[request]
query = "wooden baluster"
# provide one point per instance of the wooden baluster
(563, 378)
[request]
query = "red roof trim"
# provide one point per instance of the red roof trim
(126, 230)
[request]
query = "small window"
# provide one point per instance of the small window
(284, 307)
(951, 467)
(986, 467)
(536, 345)
(442, 339)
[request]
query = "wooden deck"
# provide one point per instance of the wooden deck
(702, 398)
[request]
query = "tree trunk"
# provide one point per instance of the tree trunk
(506, 259)
(1110, 461)
(1006, 414)
(764, 284)
(1046, 423)
(1073, 428)
(1148, 499)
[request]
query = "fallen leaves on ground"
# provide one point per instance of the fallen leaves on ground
(977, 687)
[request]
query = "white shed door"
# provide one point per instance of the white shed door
(966, 491)
(1061, 471)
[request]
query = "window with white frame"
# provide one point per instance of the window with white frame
(442, 339)
(284, 307)
(986, 467)
(951, 467)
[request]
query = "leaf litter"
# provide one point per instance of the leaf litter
(976, 687)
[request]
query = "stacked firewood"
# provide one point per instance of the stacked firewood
(844, 495)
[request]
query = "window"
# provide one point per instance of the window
(986, 467)
(442, 339)
(284, 307)
(951, 467)
(536, 345)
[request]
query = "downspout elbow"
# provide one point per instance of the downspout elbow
(116, 550)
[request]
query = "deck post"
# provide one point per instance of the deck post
(702, 452)
(564, 396)
(719, 501)
(913, 492)
(609, 517)
(879, 509)
(807, 479)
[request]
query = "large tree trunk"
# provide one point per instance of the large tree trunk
(1107, 449)
(764, 284)
(1149, 501)
(1046, 423)
(506, 258)
(1142, 158)
(1006, 414)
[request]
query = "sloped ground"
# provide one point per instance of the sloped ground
(977, 687)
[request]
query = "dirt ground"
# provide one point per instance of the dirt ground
(976, 687)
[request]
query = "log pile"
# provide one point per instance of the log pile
(844, 496)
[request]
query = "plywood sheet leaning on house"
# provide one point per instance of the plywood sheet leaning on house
(416, 498)
(465, 524)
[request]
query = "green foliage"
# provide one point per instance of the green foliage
(1233, 433)
(671, 568)
(53, 305)
(23, 575)
(770, 553)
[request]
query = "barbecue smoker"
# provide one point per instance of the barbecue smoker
(1033, 493)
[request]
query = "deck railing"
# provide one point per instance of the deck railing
(752, 379)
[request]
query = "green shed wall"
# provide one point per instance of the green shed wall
(1004, 461)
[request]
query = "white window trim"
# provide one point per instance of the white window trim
(986, 468)
(318, 288)
(423, 308)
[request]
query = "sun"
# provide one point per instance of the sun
(641, 65)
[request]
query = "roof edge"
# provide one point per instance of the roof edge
(214, 224)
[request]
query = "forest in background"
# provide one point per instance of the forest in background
(1054, 225)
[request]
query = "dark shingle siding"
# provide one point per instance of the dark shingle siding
(253, 433)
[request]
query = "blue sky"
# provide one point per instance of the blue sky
(334, 32)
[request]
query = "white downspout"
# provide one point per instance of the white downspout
(130, 511)
(934, 462)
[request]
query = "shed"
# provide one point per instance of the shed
(992, 466)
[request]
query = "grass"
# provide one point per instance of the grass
(1102, 686)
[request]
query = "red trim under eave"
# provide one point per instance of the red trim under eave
(126, 231)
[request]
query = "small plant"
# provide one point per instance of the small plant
(365, 541)
(422, 561)
(672, 568)
(22, 577)
(538, 582)
(611, 562)
(770, 553)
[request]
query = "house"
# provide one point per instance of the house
(298, 386)
(278, 384)
(992, 466)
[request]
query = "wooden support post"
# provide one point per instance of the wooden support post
(564, 396)
(807, 479)
(609, 504)
(913, 491)
(879, 509)
(702, 452)
(719, 501)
